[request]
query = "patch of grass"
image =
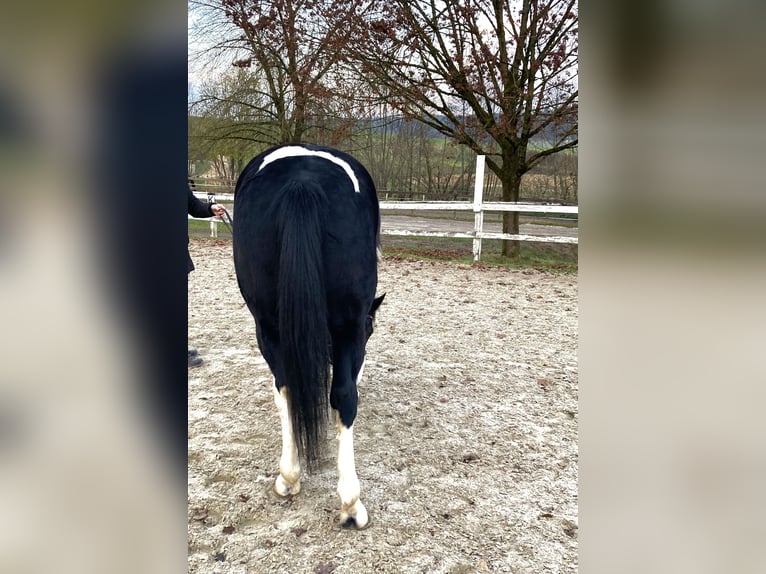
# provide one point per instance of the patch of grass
(201, 228)
(554, 257)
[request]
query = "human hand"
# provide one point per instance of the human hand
(217, 210)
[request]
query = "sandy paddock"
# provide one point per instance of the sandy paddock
(466, 438)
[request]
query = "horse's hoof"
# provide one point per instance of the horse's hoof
(357, 517)
(284, 488)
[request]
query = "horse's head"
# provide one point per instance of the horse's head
(370, 325)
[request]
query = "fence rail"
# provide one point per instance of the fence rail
(479, 207)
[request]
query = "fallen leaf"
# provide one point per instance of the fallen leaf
(570, 528)
(228, 529)
(199, 514)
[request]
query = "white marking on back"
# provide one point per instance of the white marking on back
(297, 151)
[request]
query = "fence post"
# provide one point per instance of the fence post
(478, 193)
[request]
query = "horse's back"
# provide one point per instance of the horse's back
(349, 212)
(351, 204)
(338, 173)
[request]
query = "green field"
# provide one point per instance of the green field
(543, 256)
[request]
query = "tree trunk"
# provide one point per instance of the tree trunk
(511, 185)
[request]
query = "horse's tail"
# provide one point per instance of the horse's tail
(302, 304)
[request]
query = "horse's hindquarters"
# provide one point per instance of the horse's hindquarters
(305, 253)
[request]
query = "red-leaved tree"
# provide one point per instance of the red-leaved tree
(498, 76)
(287, 51)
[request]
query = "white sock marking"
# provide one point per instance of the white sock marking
(348, 482)
(296, 151)
(289, 466)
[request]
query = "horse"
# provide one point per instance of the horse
(306, 249)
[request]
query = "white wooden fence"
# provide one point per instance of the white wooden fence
(478, 207)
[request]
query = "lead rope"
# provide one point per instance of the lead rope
(230, 222)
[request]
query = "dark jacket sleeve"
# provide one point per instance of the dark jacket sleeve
(198, 208)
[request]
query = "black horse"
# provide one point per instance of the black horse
(306, 247)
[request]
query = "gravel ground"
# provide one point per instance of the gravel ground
(465, 442)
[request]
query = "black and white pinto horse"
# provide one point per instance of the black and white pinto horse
(306, 246)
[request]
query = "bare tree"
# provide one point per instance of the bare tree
(225, 126)
(444, 169)
(287, 51)
(242, 112)
(512, 64)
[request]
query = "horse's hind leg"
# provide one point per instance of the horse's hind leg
(289, 480)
